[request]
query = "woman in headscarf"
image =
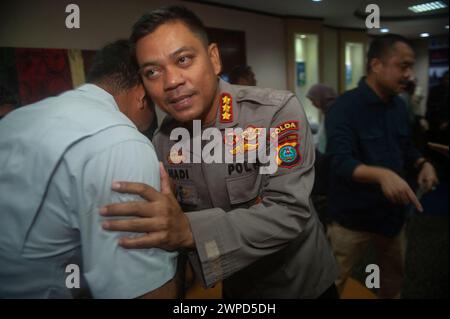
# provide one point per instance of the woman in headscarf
(322, 97)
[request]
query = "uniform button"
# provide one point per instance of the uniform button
(241, 94)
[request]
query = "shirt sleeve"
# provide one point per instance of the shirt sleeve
(227, 242)
(110, 270)
(341, 141)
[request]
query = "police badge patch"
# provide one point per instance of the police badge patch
(284, 128)
(288, 151)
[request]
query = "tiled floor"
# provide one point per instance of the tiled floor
(427, 264)
(352, 290)
(427, 258)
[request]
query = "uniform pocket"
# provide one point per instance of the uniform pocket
(243, 189)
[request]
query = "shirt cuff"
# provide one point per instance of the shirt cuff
(346, 169)
(213, 259)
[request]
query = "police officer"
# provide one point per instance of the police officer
(258, 233)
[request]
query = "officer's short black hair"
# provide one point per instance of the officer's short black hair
(114, 67)
(149, 22)
(381, 46)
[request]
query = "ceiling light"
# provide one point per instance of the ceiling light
(316, 0)
(446, 26)
(384, 30)
(302, 36)
(429, 6)
(424, 35)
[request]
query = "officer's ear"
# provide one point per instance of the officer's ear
(214, 56)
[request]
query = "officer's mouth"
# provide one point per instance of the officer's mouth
(181, 102)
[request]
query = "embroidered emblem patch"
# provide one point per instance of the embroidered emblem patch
(285, 127)
(288, 151)
(244, 142)
(176, 157)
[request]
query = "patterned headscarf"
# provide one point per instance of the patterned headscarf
(322, 95)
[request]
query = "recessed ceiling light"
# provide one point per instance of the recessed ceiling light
(429, 6)
(302, 36)
(316, 0)
(424, 35)
(384, 30)
(446, 26)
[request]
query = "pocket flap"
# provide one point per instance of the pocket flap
(243, 189)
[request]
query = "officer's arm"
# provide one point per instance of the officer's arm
(226, 242)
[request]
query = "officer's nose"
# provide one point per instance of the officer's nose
(173, 78)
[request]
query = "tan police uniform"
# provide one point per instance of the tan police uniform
(258, 233)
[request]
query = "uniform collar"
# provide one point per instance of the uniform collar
(227, 108)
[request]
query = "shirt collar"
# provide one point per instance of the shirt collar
(99, 93)
(371, 96)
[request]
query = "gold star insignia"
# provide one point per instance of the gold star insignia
(226, 116)
(226, 108)
(226, 100)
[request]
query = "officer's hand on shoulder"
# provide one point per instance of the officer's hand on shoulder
(161, 218)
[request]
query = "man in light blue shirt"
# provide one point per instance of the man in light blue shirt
(58, 158)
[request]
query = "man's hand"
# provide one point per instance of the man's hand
(165, 224)
(393, 186)
(424, 124)
(441, 148)
(397, 190)
(427, 178)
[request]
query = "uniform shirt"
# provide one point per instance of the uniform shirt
(259, 233)
(362, 129)
(49, 224)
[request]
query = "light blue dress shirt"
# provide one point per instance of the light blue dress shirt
(58, 159)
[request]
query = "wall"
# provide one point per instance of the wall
(330, 54)
(41, 24)
(421, 71)
(307, 51)
(354, 58)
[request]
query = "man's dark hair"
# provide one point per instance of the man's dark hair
(240, 71)
(149, 22)
(114, 67)
(382, 46)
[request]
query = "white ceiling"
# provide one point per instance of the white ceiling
(340, 13)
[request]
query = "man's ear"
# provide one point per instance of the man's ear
(375, 65)
(214, 56)
(141, 96)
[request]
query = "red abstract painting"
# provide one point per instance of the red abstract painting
(42, 73)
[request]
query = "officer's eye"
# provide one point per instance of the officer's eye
(184, 60)
(151, 73)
